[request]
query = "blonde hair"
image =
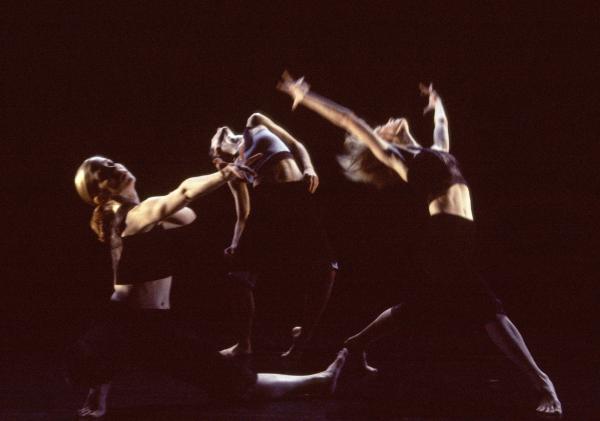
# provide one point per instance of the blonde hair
(104, 222)
(360, 165)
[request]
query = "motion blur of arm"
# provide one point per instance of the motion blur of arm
(441, 135)
(343, 118)
(296, 147)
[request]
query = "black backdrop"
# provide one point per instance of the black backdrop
(148, 86)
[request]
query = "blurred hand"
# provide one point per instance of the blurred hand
(312, 179)
(297, 89)
(429, 92)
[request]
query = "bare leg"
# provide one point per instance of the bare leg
(271, 385)
(382, 325)
(95, 402)
(243, 304)
(316, 301)
(507, 337)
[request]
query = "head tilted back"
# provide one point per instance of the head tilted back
(86, 183)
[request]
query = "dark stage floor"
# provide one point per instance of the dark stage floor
(415, 388)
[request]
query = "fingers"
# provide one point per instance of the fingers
(286, 76)
(426, 90)
(252, 159)
(313, 183)
(219, 163)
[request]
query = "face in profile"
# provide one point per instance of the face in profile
(225, 145)
(100, 175)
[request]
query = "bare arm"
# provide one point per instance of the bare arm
(159, 208)
(296, 147)
(346, 119)
(441, 135)
(241, 197)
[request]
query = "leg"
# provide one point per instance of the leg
(385, 322)
(507, 337)
(272, 386)
(95, 403)
(243, 317)
(316, 300)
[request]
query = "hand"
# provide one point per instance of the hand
(297, 89)
(312, 179)
(428, 91)
(240, 169)
(230, 251)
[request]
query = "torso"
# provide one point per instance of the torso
(455, 201)
(281, 171)
(436, 176)
(147, 295)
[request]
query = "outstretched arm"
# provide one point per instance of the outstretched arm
(296, 147)
(344, 118)
(158, 208)
(441, 136)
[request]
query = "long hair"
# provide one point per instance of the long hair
(360, 165)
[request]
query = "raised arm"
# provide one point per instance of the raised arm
(344, 118)
(296, 147)
(158, 208)
(441, 135)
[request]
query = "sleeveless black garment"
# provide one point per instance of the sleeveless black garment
(430, 171)
(450, 284)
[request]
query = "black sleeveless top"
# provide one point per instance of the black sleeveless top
(150, 255)
(430, 171)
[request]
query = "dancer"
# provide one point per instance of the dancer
(137, 326)
(277, 230)
(451, 286)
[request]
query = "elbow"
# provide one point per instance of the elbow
(255, 119)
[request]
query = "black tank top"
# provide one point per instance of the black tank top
(151, 255)
(430, 171)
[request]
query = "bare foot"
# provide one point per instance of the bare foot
(359, 357)
(549, 403)
(295, 351)
(332, 373)
(236, 351)
(95, 403)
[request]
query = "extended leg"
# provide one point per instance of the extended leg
(382, 325)
(507, 337)
(317, 298)
(271, 385)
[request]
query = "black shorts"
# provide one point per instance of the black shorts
(123, 337)
(450, 284)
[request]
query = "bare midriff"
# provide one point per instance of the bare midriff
(150, 295)
(455, 201)
(283, 171)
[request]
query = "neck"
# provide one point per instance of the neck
(130, 194)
